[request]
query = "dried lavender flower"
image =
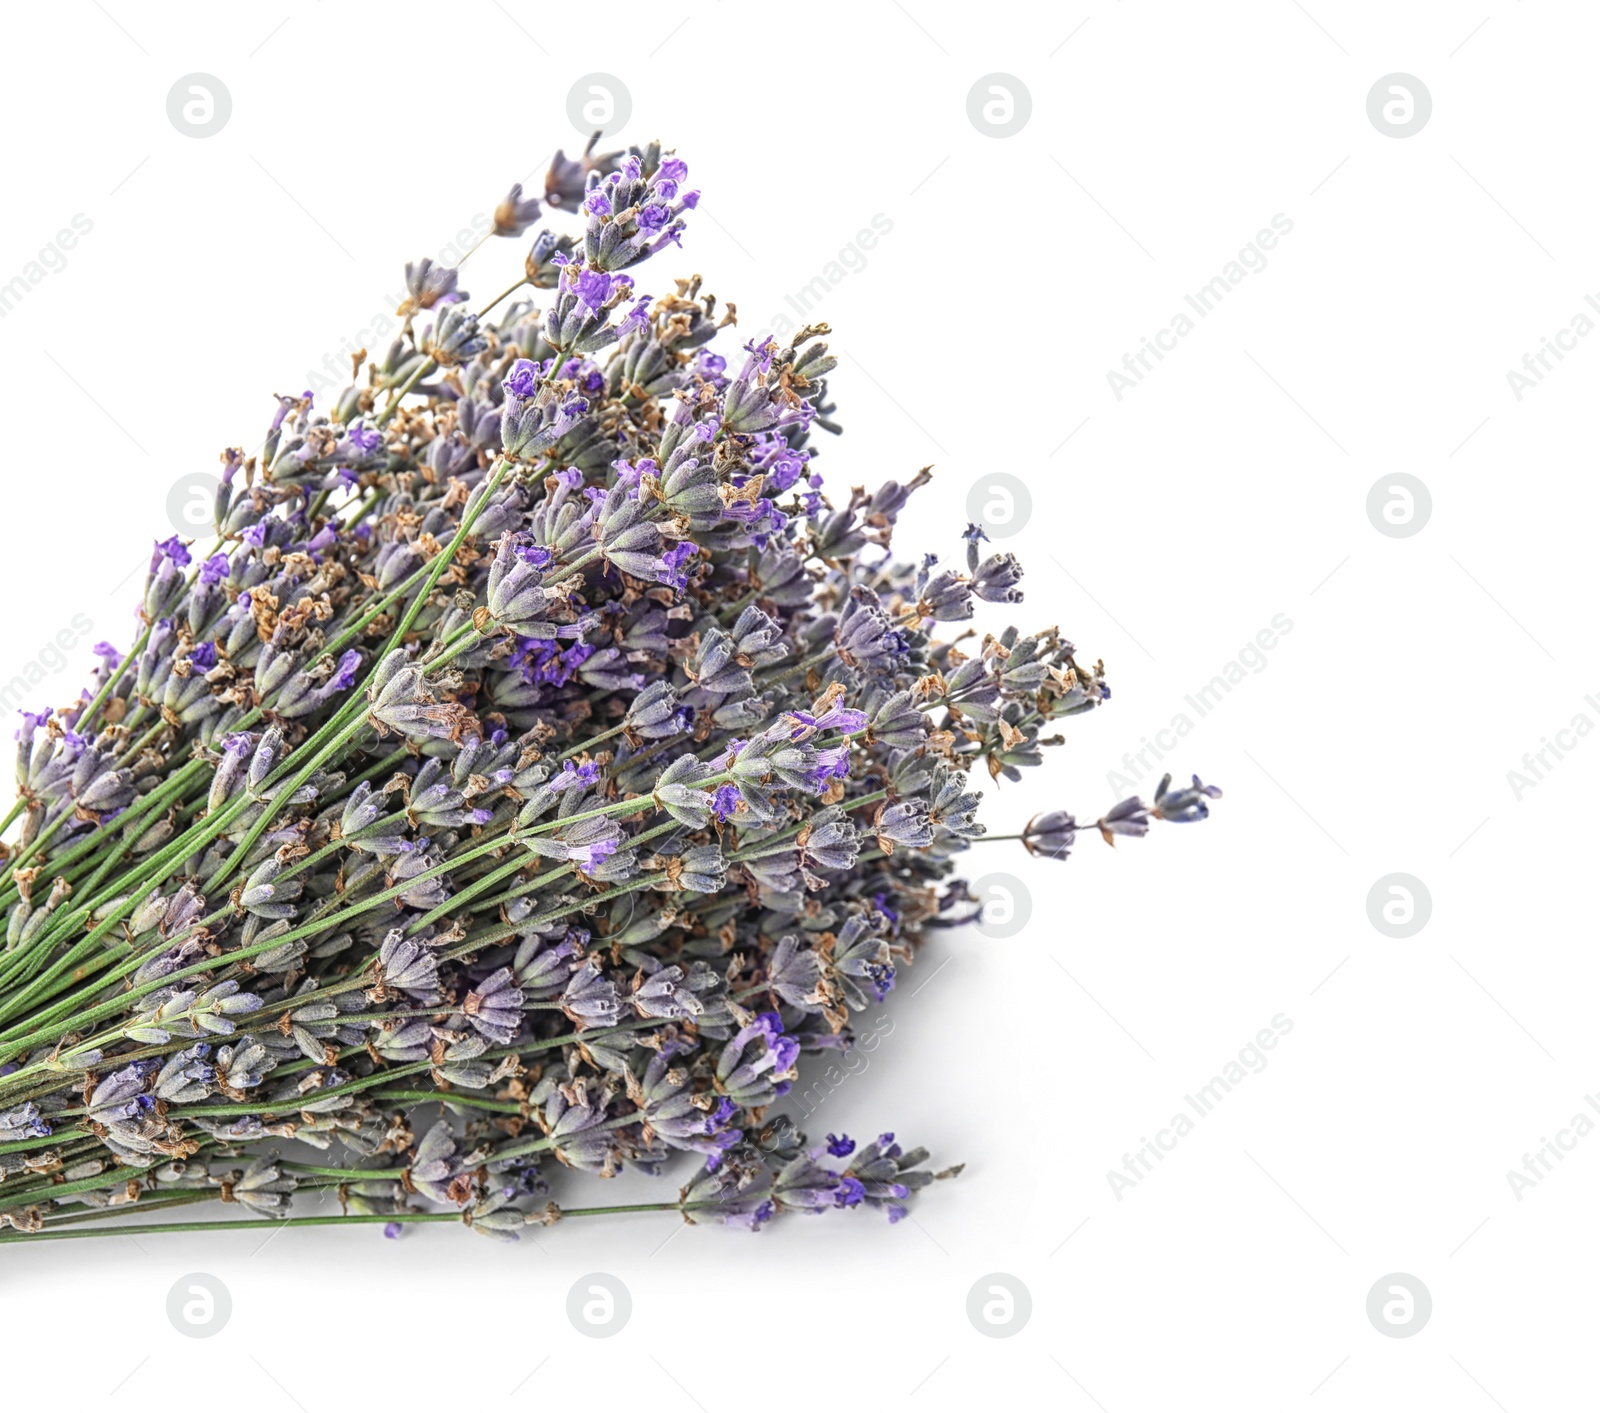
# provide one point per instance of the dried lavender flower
(528, 718)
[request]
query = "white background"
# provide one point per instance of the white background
(1228, 487)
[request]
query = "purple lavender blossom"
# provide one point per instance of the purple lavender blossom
(523, 379)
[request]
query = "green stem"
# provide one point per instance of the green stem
(504, 294)
(423, 369)
(260, 1224)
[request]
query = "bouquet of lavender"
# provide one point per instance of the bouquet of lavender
(535, 768)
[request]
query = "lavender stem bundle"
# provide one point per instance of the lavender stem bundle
(534, 767)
